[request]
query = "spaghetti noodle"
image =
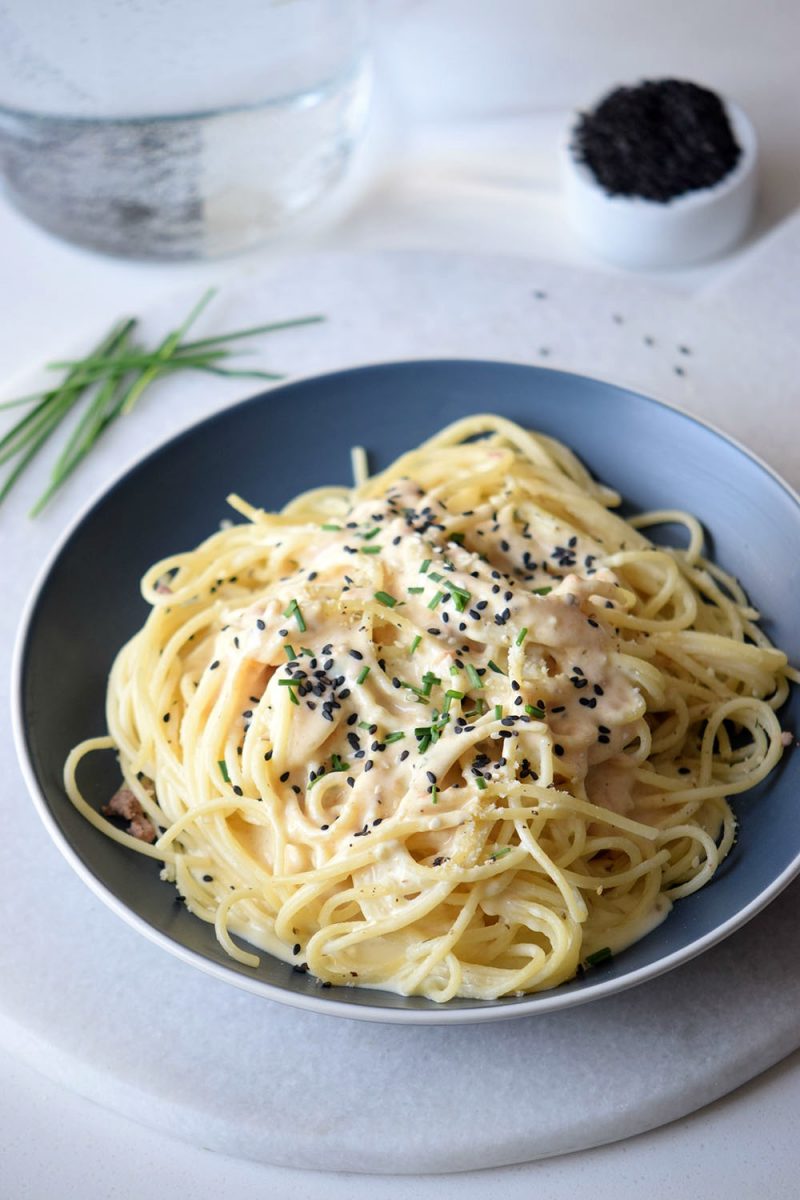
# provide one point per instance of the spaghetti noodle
(454, 732)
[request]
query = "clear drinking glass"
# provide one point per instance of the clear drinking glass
(177, 129)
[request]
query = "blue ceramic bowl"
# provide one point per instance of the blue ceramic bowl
(655, 456)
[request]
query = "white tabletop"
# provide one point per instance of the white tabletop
(461, 158)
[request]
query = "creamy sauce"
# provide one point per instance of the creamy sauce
(513, 617)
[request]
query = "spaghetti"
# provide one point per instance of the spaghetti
(454, 732)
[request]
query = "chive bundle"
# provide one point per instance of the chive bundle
(107, 383)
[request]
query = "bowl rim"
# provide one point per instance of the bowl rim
(325, 1003)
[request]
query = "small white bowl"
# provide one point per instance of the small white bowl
(635, 232)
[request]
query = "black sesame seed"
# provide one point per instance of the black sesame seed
(284, 776)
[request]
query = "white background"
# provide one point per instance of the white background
(471, 99)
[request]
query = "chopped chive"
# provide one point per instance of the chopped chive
(364, 725)
(414, 644)
(501, 853)
(290, 683)
(331, 528)
(599, 956)
(371, 549)
(315, 779)
(293, 610)
(305, 650)
(447, 702)
(481, 782)
(223, 766)
(424, 567)
(385, 599)
(435, 576)
(337, 764)
(434, 794)
(371, 533)
(415, 591)
(423, 695)
(293, 698)
(454, 694)
(362, 674)
(289, 650)
(523, 633)
(494, 667)
(454, 669)
(533, 710)
(393, 737)
(542, 591)
(436, 601)
(474, 677)
(498, 711)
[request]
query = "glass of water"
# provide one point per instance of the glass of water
(177, 129)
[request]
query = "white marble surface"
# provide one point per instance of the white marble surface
(477, 173)
(661, 1050)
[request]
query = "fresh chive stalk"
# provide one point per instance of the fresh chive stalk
(108, 382)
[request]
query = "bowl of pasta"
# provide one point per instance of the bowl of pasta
(425, 691)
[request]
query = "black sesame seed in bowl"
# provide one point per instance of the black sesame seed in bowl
(657, 140)
(660, 174)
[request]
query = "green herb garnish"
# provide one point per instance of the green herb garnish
(293, 610)
(223, 767)
(473, 676)
(523, 633)
(362, 674)
(107, 383)
(385, 599)
(599, 956)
